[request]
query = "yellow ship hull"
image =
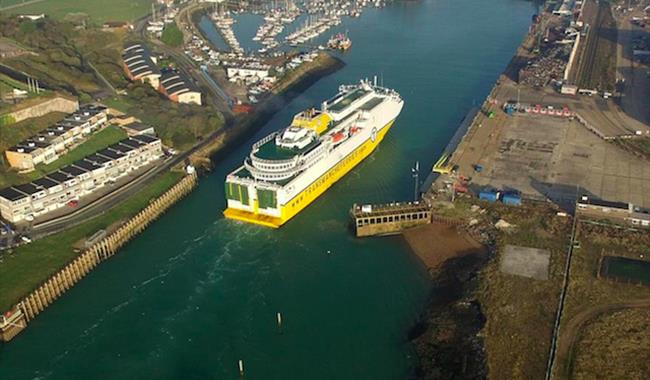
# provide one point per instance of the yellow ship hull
(314, 190)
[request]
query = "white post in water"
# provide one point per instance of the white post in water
(416, 175)
(375, 80)
(241, 367)
(279, 318)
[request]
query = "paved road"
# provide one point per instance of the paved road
(637, 82)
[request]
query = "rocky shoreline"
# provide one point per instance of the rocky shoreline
(446, 338)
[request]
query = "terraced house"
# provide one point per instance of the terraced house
(49, 145)
(56, 190)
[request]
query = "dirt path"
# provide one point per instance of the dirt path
(571, 331)
(18, 5)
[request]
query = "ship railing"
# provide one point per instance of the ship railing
(268, 175)
(263, 161)
(264, 140)
(272, 165)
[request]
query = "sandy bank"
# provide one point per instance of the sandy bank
(435, 243)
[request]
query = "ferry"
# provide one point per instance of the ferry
(290, 168)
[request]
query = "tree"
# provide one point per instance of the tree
(172, 36)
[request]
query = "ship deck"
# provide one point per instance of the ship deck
(270, 151)
(346, 100)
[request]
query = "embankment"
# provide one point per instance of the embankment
(446, 338)
(17, 319)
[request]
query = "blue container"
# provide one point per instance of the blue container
(511, 199)
(488, 195)
(510, 111)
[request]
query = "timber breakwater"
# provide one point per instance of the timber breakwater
(16, 320)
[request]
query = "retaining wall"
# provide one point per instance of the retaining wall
(56, 104)
(16, 320)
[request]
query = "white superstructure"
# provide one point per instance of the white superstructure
(288, 169)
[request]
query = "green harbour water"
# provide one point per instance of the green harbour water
(195, 293)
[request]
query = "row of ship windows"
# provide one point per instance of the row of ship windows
(392, 218)
(273, 167)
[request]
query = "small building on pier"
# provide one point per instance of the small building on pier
(387, 219)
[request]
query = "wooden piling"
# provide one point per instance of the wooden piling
(16, 319)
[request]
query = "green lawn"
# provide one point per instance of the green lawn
(120, 103)
(172, 36)
(12, 134)
(100, 140)
(30, 265)
(99, 11)
(8, 84)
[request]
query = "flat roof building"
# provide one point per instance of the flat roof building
(27, 201)
(619, 212)
(50, 144)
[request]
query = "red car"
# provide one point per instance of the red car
(73, 203)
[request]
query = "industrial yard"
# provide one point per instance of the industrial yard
(555, 158)
(560, 145)
(550, 140)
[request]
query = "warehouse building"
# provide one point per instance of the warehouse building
(56, 190)
(178, 88)
(617, 212)
(49, 145)
(140, 66)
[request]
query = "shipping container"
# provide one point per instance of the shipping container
(511, 199)
(488, 195)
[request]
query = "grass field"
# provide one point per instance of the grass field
(615, 346)
(7, 85)
(100, 140)
(586, 291)
(99, 11)
(519, 311)
(28, 266)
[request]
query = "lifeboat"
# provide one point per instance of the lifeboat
(338, 137)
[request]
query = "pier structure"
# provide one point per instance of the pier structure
(15, 320)
(387, 219)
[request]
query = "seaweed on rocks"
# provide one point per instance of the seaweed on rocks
(447, 337)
